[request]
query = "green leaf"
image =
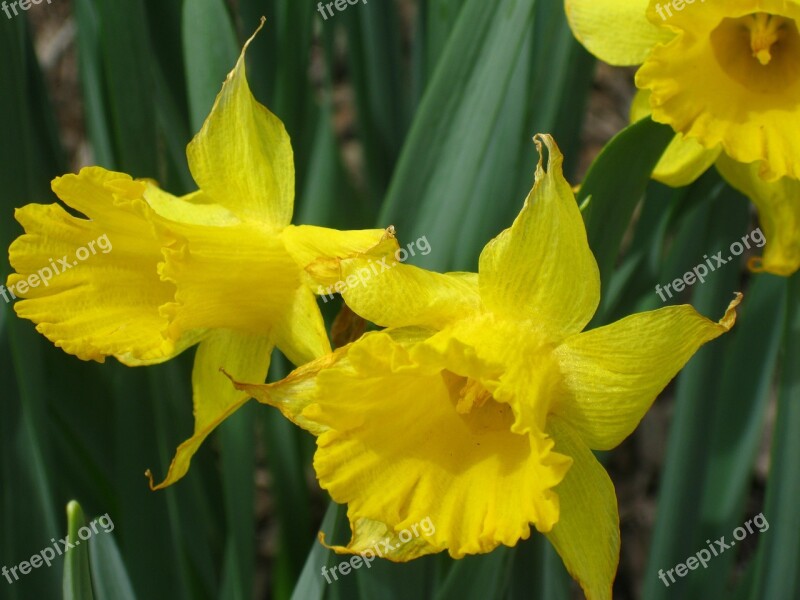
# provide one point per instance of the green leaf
(477, 576)
(90, 70)
(312, 585)
(736, 429)
(29, 158)
(709, 227)
(77, 580)
(109, 577)
(237, 439)
(776, 574)
(553, 581)
(447, 165)
(207, 63)
(127, 70)
(616, 182)
(378, 79)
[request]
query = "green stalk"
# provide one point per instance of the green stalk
(777, 575)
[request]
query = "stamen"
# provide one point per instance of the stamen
(764, 33)
(472, 395)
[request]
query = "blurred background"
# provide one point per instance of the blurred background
(417, 113)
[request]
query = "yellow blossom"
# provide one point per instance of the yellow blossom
(222, 267)
(480, 404)
(725, 75)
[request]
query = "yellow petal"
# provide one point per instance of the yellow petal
(541, 270)
(300, 333)
(242, 157)
(366, 268)
(107, 304)
(616, 31)
(709, 85)
(684, 160)
(215, 399)
(373, 539)
(391, 294)
(640, 106)
(195, 208)
(319, 250)
(614, 373)
(480, 484)
(586, 536)
(778, 206)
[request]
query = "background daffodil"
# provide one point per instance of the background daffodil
(222, 266)
(480, 405)
(724, 75)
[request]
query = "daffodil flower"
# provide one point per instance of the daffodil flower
(725, 76)
(222, 267)
(480, 405)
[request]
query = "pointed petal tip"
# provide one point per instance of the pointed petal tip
(153, 487)
(321, 540)
(261, 23)
(554, 156)
(240, 61)
(242, 387)
(729, 319)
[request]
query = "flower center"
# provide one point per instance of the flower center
(471, 395)
(761, 51)
(476, 406)
(765, 31)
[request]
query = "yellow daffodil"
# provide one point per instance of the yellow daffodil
(724, 74)
(480, 405)
(221, 267)
(777, 202)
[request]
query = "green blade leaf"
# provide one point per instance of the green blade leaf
(710, 226)
(311, 585)
(381, 98)
(734, 434)
(776, 574)
(448, 149)
(616, 182)
(127, 70)
(109, 577)
(207, 63)
(77, 580)
(477, 576)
